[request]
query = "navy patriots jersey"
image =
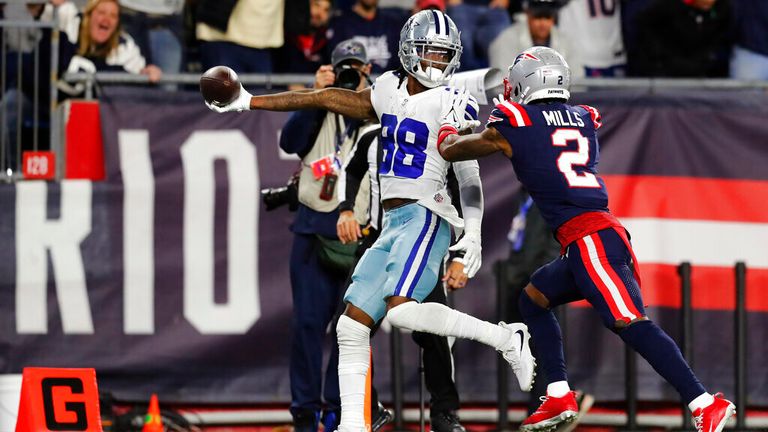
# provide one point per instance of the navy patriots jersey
(555, 154)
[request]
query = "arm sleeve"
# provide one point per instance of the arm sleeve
(470, 191)
(354, 170)
(300, 131)
(453, 190)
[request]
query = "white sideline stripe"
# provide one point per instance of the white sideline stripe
(419, 257)
(515, 112)
(702, 242)
(476, 415)
(594, 259)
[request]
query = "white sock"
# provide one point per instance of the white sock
(441, 320)
(702, 401)
(558, 389)
(354, 361)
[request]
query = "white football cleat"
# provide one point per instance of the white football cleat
(518, 354)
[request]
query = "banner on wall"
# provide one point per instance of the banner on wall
(170, 278)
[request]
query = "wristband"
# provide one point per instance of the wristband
(445, 131)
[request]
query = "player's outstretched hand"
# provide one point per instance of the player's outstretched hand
(498, 99)
(242, 103)
(454, 111)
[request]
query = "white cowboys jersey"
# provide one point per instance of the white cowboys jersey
(411, 167)
(594, 29)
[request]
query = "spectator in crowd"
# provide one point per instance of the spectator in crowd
(101, 45)
(90, 42)
(683, 38)
(378, 30)
(420, 5)
(750, 51)
(156, 26)
(480, 22)
(239, 33)
(306, 49)
(515, 6)
(594, 29)
(536, 26)
(344, 5)
(629, 13)
(321, 139)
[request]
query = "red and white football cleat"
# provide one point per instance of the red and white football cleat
(713, 417)
(552, 412)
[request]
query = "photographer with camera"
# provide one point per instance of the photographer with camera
(319, 262)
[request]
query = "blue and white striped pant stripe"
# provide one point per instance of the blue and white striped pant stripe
(417, 260)
(405, 261)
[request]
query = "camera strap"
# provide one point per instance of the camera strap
(339, 135)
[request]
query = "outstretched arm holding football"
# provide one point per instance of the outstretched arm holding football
(345, 102)
(355, 104)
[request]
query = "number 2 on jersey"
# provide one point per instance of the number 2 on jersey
(404, 145)
(568, 159)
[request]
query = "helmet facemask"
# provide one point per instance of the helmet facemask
(435, 63)
(514, 93)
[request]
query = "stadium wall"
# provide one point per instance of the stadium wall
(170, 277)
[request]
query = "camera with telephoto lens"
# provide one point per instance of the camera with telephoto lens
(347, 77)
(278, 197)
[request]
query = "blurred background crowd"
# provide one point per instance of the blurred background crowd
(609, 38)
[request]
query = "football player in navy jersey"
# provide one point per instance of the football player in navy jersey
(554, 151)
(395, 275)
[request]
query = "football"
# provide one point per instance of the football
(219, 85)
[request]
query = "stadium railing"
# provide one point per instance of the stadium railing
(29, 114)
(12, 148)
(270, 81)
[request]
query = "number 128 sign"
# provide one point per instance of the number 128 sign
(39, 165)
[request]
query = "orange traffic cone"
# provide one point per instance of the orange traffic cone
(152, 421)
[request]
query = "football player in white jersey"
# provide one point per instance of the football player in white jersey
(401, 268)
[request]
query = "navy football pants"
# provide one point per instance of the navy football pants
(600, 269)
(597, 268)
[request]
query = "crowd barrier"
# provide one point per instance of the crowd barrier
(54, 156)
(28, 83)
(685, 170)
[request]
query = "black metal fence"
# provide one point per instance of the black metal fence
(28, 82)
(686, 342)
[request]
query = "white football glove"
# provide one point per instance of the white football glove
(498, 99)
(454, 110)
(471, 244)
(242, 103)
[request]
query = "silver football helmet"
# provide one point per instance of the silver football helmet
(430, 47)
(538, 73)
